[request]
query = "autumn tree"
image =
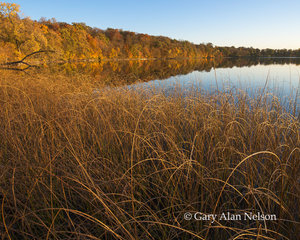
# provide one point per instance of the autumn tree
(9, 9)
(19, 37)
(11, 25)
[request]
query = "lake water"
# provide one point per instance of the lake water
(279, 77)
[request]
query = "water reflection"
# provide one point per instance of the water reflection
(128, 72)
(276, 76)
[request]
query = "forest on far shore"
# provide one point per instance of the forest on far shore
(22, 36)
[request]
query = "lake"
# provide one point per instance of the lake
(278, 77)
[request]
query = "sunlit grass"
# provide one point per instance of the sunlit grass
(125, 164)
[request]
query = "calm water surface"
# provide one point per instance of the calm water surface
(281, 80)
(278, 79)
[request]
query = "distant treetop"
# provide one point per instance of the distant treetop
(9, 9)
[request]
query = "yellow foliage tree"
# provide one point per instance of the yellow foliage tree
(9, 9)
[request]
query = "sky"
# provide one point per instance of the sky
(249, 23)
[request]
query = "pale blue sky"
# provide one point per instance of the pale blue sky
(256, 23)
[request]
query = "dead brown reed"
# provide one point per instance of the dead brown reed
(124, 164)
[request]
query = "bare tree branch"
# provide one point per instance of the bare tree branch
(22, 61)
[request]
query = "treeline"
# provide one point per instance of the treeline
(19, 37)
(255, 52)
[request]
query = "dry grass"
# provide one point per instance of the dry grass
(124, 164)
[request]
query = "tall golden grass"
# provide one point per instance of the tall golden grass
(123, 164)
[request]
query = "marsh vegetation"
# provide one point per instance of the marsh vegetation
(89, 150)
(128, 164)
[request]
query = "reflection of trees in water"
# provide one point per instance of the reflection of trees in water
(247, 62)
(131, 71)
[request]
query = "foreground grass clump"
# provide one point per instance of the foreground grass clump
(120, 164)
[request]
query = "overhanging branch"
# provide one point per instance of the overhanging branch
(22, 61)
